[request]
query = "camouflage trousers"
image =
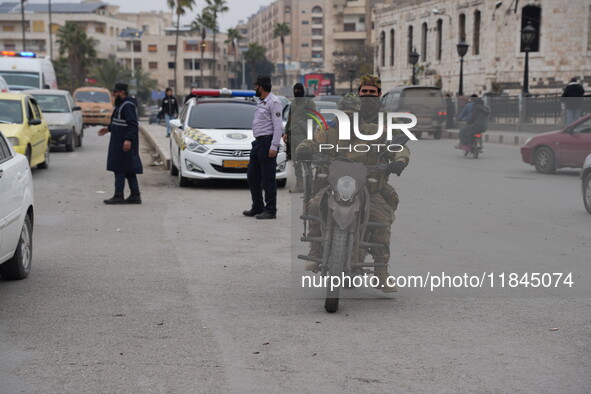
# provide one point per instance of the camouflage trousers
(383, 204)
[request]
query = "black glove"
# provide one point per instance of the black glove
(397, 167)
(304, 153)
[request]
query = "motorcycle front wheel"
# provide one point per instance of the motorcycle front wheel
(336, 264)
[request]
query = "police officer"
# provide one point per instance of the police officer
(124, 158)
(267, 129)
(169, 109)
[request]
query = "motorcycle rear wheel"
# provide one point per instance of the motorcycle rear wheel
(336, 265)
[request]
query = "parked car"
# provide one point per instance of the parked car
(4, 88)
(96, 104)
(557, 149)
(23, 125)
(153, 112)
(586, 178)
(16, 213)
(63, 116)
(425, 102)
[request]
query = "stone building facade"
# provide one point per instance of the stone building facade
(495, 58)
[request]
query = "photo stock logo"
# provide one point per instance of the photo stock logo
(344, 125)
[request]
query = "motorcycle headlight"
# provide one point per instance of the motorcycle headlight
(346, 187)
(194, 146)
(13, 141)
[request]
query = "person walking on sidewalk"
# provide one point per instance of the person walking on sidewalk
(169, 109)
(124, 152)
(267, 129)
(572, 94)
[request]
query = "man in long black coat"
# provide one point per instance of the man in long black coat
(124, 153)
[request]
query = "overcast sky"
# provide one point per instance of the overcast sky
(239, 9)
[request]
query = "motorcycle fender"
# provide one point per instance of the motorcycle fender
(343, 215)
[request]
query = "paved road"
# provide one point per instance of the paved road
(183, 294)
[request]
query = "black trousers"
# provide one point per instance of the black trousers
(131, 180)
(261, 176)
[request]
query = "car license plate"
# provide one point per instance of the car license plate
(235, 163)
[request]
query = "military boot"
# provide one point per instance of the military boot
(315, 251)
(134, 198)
(382, 274)
(116, 199)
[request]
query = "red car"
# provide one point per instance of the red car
(564, 148)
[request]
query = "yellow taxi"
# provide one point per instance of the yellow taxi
(23, 125)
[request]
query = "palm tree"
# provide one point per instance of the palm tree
(217, 7)
(202, 23)
(254, 55)
(110, 72)
(78, 48)
(282, 30)
(233, 37)
(180, 8)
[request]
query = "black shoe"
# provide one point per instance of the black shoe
(116, 199)
(250, 213)
(134, 198)
(266, 215)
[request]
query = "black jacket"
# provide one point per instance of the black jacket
(571, 91)
(169, 106)
(124, 127)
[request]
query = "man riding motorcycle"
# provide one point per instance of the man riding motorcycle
(383, 197)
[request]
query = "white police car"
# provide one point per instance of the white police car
(212, 137)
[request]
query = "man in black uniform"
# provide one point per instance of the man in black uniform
(124, 157)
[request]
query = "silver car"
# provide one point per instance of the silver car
(586, 178)
(63, 117)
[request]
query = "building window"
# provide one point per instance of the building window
(349, 27)
(305, 22)
(305, 45)
(533, 14)
(55, 28)
(288, 10)
(152, 48)
(409, 48)
(424, 43)
(316, 32)
(8, 28)
(99, 29)
(9, 47)
(38, 27)
(462, 28)
(383, 49)
(171, 48)
(317, 10)
(439, 42)
(476, 34)
(192, 46)
(171, 65)
(111, 31)
(153, 65)
(317, 21)
(392, 47)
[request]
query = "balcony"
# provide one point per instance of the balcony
(349, 35)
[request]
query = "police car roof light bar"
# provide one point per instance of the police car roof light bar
(18, 54)
(223, 93)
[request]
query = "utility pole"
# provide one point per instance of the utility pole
(50, 32)
(23, 25)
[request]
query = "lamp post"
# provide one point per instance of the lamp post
(462, 50)
(528, 36)
(351, 78)
(203, 46)
(413, 58)
(50, 32)
(23, 25)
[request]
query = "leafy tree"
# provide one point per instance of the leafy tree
(217, 7)
(354, 57)
(282, 30)
(180, 8)
(78, 49)
(257, 63)
(109, 72)
(203, 22)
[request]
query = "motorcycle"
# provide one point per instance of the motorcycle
(344, 218)
(475, 148)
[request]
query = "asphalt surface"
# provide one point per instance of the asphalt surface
(184, 295)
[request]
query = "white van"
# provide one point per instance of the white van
(23, 70)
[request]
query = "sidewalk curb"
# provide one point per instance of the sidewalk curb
(161, 150)
(504, 139)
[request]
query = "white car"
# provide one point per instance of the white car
(16, 213)
(586, 178)
(213, 137)
(63, 116)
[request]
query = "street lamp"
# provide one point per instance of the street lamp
(351, 77)
(201, 66)
(413, 58)
(462, 47)
(528, 36)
